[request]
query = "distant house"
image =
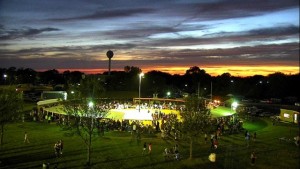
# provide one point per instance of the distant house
(289, 115)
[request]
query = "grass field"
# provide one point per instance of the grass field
(117, 150)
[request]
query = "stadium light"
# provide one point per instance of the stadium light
(91, 104)
(234, 105)
(140, 81)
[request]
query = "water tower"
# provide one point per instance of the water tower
(109, 54)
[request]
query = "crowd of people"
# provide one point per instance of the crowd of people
(172, 153)
(160, 123)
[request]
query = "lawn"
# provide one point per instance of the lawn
(221, 111)
(117, 150)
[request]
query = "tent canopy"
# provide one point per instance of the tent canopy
(47, 102)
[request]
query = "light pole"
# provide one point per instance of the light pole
(91, 104)
(5, 77)
(140, 81)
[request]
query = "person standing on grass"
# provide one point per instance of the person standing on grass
(176, 148)
(149, 148)
(253, 158)
(144, 148)
(26, 139)
(46, 117)
(133, 127)
(215, 143)
(297, 138)
(212, 137)
(56, 149)
(61, 146)
(205, 138)
(254, 136)
(247, 138)
(49, 118)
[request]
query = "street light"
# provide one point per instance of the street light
(91, 104)
(234, 105)
(140, 81)
(168, 94)
(5, 77)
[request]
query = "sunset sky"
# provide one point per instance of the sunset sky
(240, 37)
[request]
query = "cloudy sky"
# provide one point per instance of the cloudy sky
(241, 37)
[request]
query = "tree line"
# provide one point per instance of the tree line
(194, 81)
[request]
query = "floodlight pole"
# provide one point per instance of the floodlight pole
(140, 81)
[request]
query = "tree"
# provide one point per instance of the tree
(195, 120)
(156, 82)
(52, 77)
(91, 87)
(26, 76)
(194, 78)
(11, 104)
(86, 113)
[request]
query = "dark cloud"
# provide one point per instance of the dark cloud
(107, 14)
(260, 55)
(264, 55)
(237, 8)
(276, 31)
(139, 32)
(72, 52)
(7, 34)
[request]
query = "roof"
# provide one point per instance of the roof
(49, 101)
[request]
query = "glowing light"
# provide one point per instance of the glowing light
(238, 70)
(91, 104)
(234, 105)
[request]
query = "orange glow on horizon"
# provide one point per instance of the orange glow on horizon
(241, 71)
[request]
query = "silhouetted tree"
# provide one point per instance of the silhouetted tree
(91, 87)
(11, 104)
(156, 82)
(26, 76)
(278, 85)
(52, 77)
(194, 78)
